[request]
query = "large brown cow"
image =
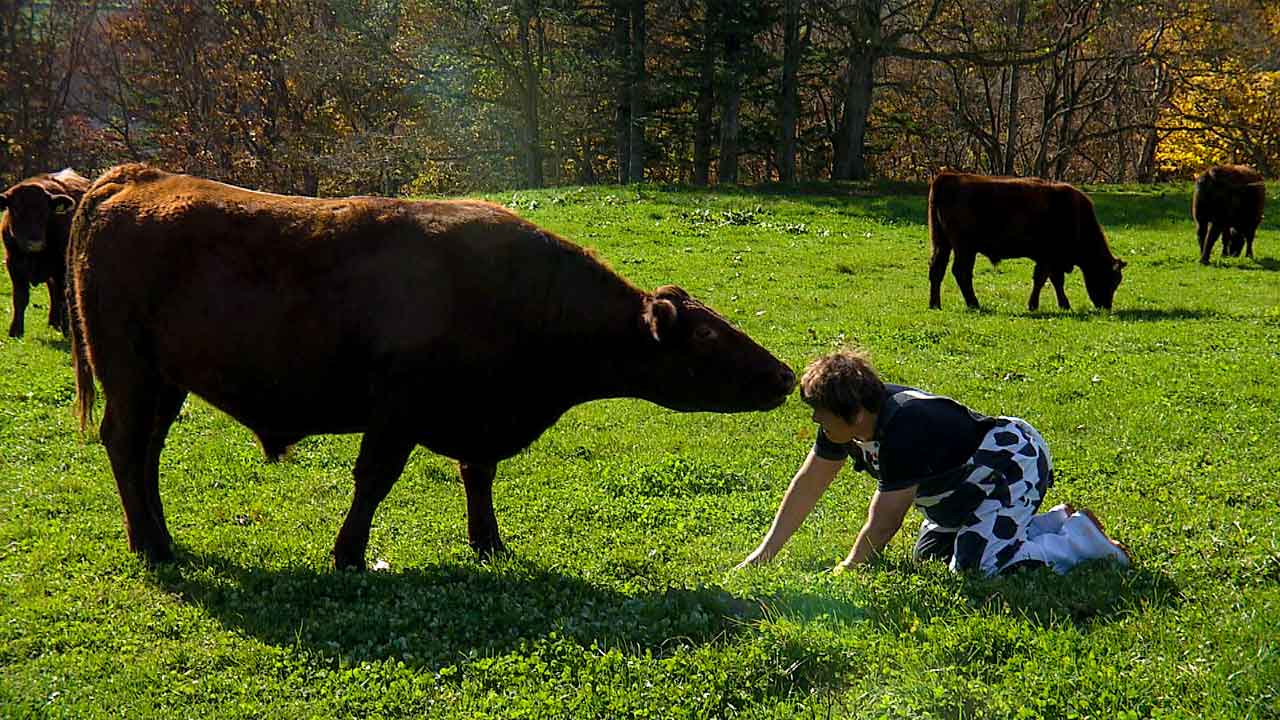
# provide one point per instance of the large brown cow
(1051, 223)
(455, 325)
(1228, 201)
(35, 241)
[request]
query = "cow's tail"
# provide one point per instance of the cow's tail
(86, 391)
(937, 231)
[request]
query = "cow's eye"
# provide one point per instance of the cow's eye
(704, 334)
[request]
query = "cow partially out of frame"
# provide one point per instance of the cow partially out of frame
(999, 217)
(454, 325)
(34, 230)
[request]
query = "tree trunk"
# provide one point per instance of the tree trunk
(1015, 76)
(788, 101)
(706, 98)
(637, 95)
(730, 103)
(850, 149)
(1146, 169)
(849, 161)
(622, 58)
(1064, 149)
(532, 130)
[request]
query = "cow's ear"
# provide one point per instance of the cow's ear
(62, 204)
(661, 318)
(671, 292)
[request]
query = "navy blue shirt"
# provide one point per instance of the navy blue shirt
(920, 439)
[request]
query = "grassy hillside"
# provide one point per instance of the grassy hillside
(1163, 417)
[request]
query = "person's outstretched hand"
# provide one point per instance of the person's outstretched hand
(755, 558)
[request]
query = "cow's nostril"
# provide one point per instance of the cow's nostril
(786, 377)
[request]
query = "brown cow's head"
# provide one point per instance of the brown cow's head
(703, 363)
(1101, 284)
(31, 209)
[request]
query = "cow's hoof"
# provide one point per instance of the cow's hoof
(490, 550)
(157, 555)
(15, 333)
(346, 559)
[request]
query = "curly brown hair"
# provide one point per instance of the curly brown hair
(841, 382)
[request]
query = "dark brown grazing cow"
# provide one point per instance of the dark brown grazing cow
(454, 325)
(35, 240)
(1051, 223)
(1228, 201)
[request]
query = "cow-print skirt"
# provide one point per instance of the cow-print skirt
(985, 524)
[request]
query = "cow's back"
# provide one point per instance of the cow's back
(1005, 218)
(1229, 195)
(276, 308)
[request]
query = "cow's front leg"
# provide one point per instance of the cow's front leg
(1038, 277)
(383, 454)
(482, 524)
(21, 296)
(1202, 230)
(962, 269)
(58, 303)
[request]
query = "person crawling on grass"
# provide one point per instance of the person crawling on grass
(978, 480)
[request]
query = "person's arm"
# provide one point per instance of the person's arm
(811, 480)
(884, 518)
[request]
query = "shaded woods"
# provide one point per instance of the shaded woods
(407, 96)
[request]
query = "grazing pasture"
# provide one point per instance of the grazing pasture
(1163, 416)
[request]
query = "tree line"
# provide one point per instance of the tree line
(411, 96)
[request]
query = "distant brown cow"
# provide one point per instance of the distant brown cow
(35, 240)
(454, 325)
(1228, 201)
(1001, 218)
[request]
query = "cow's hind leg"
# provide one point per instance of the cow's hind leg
(133, 432)
(383, 454)
(482, 524)
(937, 271)
(1059, 280)
(168, 404)
(962, 269)
(1209, 240)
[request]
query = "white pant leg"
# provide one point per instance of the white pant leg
(1049, 521)
(1079, 540)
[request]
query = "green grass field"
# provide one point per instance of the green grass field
(624, 519)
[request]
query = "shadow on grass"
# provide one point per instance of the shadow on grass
(57, 343)
(1164, 314)
(438, 615)
(1094, 592)
(1261, 263)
